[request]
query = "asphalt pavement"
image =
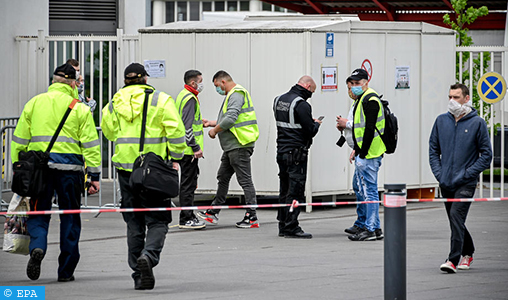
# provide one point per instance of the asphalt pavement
(225, 262)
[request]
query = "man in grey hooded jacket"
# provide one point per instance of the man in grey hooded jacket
(459, 150)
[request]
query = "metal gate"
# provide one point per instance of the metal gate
(473, 63)
(102, 61)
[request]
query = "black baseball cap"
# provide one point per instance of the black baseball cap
(136, 68)
(358, 74)
(66, 71)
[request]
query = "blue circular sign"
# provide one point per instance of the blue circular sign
(491, 87)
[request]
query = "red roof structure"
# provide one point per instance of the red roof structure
(430, 11)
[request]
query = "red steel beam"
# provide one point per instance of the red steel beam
(316, 8)
(388, 12)
(450, 6)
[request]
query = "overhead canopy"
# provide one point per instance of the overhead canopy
(430, 11)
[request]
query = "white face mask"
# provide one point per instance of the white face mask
(457, 110)
(200, 88)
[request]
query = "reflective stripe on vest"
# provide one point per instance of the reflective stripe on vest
(292, 124)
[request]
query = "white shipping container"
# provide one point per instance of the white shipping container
(268, 57)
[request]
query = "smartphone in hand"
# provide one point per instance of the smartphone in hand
(321, 118)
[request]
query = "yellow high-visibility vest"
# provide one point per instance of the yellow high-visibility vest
(121, 123)
(377, 148)
(245, 128)
(197, 125)
(78, 140)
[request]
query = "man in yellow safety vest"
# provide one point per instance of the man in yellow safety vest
(189, 109)
(238, 131)
(76, 144)
(368, 153)
(165, 134)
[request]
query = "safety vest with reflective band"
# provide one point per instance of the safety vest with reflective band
(245, 128)
(121, 123)
(197, 125)
(377, 148)
(77, 142)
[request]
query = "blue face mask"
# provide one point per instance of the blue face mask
(357, 90)
(220, 91)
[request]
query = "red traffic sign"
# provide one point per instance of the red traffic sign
(367, 66)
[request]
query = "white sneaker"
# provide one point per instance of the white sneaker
(193, 224)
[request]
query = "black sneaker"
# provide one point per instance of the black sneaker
(208, 216)
(363, 236)
(147, 278)
(248, 222)
(193, 224)
(137, 283)
(33, 269)
(353, 229)
(298, 235)
(379, 234)
(66, 279)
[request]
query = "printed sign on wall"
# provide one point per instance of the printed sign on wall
(155, 68)
(329, 44)
(402, 77)
(329, 78)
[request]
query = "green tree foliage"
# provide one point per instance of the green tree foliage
(463, 17)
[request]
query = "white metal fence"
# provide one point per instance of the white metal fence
(102, 61)
(474, 67)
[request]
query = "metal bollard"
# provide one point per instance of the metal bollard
(395, 242)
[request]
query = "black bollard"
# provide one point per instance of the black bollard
(395, 242)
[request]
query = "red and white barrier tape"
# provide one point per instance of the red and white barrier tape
(292, 205)
(459, 200)
(159, 209)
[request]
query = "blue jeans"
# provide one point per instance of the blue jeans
(365, 187)
(68, 186)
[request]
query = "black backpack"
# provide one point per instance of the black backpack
(390, 137)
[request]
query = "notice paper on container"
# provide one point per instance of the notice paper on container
(155, 68)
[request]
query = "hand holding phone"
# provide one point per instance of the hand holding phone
(321, 118)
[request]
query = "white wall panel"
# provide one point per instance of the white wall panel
(269, 63)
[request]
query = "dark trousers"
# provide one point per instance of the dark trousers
(461, 242)
(188, 184)
(292, 177)
(236, 161)
(146, 231)
(68, 186)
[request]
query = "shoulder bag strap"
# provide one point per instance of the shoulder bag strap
(60, 126)
(143, 120)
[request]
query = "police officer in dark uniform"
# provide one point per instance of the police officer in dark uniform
(295, 130)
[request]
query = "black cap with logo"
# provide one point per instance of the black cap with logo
(358, 74)
(137, 69)
(66, 71)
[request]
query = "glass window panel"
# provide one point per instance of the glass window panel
(194, 11)
(278, 8)
(182, 11)
(267, 6)
(219, 5)
(232, 5)
(151, 15)
(244, 5)
(207, 6)
(170, 11)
